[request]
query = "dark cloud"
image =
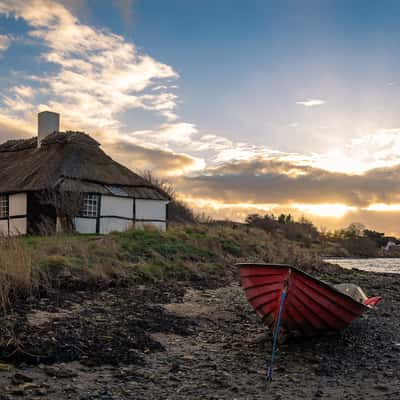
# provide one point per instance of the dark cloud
(282, 182)
(160, 162)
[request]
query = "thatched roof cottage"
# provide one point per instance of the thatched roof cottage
(64, 181)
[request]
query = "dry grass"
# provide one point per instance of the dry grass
(16, 272)
(195, 253)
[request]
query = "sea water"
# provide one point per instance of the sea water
(391, 265)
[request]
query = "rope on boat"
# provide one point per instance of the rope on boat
(276, 334)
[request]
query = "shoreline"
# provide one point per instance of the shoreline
(359, 258)
(171, 342)
(376, 265)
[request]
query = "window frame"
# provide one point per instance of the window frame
(4, 206)
(90, 205)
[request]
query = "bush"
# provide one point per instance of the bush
(360, 247)
(301, 231)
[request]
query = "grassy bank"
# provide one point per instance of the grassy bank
(198, 254)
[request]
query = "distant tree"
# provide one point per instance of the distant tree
(323, 230)
(303, 230)
(354, 230)
(360, 246)
(378, 237)
(252, 219)
(266, 222)
(392, 239)
(285, 219)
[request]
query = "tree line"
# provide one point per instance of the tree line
(355, 239)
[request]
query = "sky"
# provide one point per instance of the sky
(260, 106)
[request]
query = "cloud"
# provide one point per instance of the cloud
(17, 104)
(161, 162)
(311, 102)
(99, 74)
(11, 128)
(24, 91)
(377, 150)
(181, 133)
(185, 136)
(274, 181)
(4, 42)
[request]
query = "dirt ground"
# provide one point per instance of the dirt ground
(170, 342)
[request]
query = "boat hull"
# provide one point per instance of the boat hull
(311, 306)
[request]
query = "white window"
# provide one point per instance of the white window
(90, 205)
(4, 206)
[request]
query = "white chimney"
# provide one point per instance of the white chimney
(48, 122)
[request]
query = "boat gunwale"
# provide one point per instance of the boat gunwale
(322, 283)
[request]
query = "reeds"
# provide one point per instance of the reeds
(16, 273)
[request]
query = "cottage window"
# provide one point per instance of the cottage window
(4, 206)
(90, 205)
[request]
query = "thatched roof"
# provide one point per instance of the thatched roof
(67, 161)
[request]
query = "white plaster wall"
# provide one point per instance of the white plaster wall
(108, 225)
(151, 209)
(3, 227)
(18, 204)
(116, 206)
(18, 226)
(85, 225)
(162, 226)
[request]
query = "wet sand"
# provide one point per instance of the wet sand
(173, 342)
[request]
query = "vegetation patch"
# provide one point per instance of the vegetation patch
(190, 254)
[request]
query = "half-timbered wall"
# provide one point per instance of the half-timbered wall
(151, 212)
(15, 222)
(113, 214)
(118, 213)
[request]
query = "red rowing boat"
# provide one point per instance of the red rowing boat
(309, 307)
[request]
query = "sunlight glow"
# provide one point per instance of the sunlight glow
(337, 161)
(335, 210)
(219, 205)
(383, 207)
